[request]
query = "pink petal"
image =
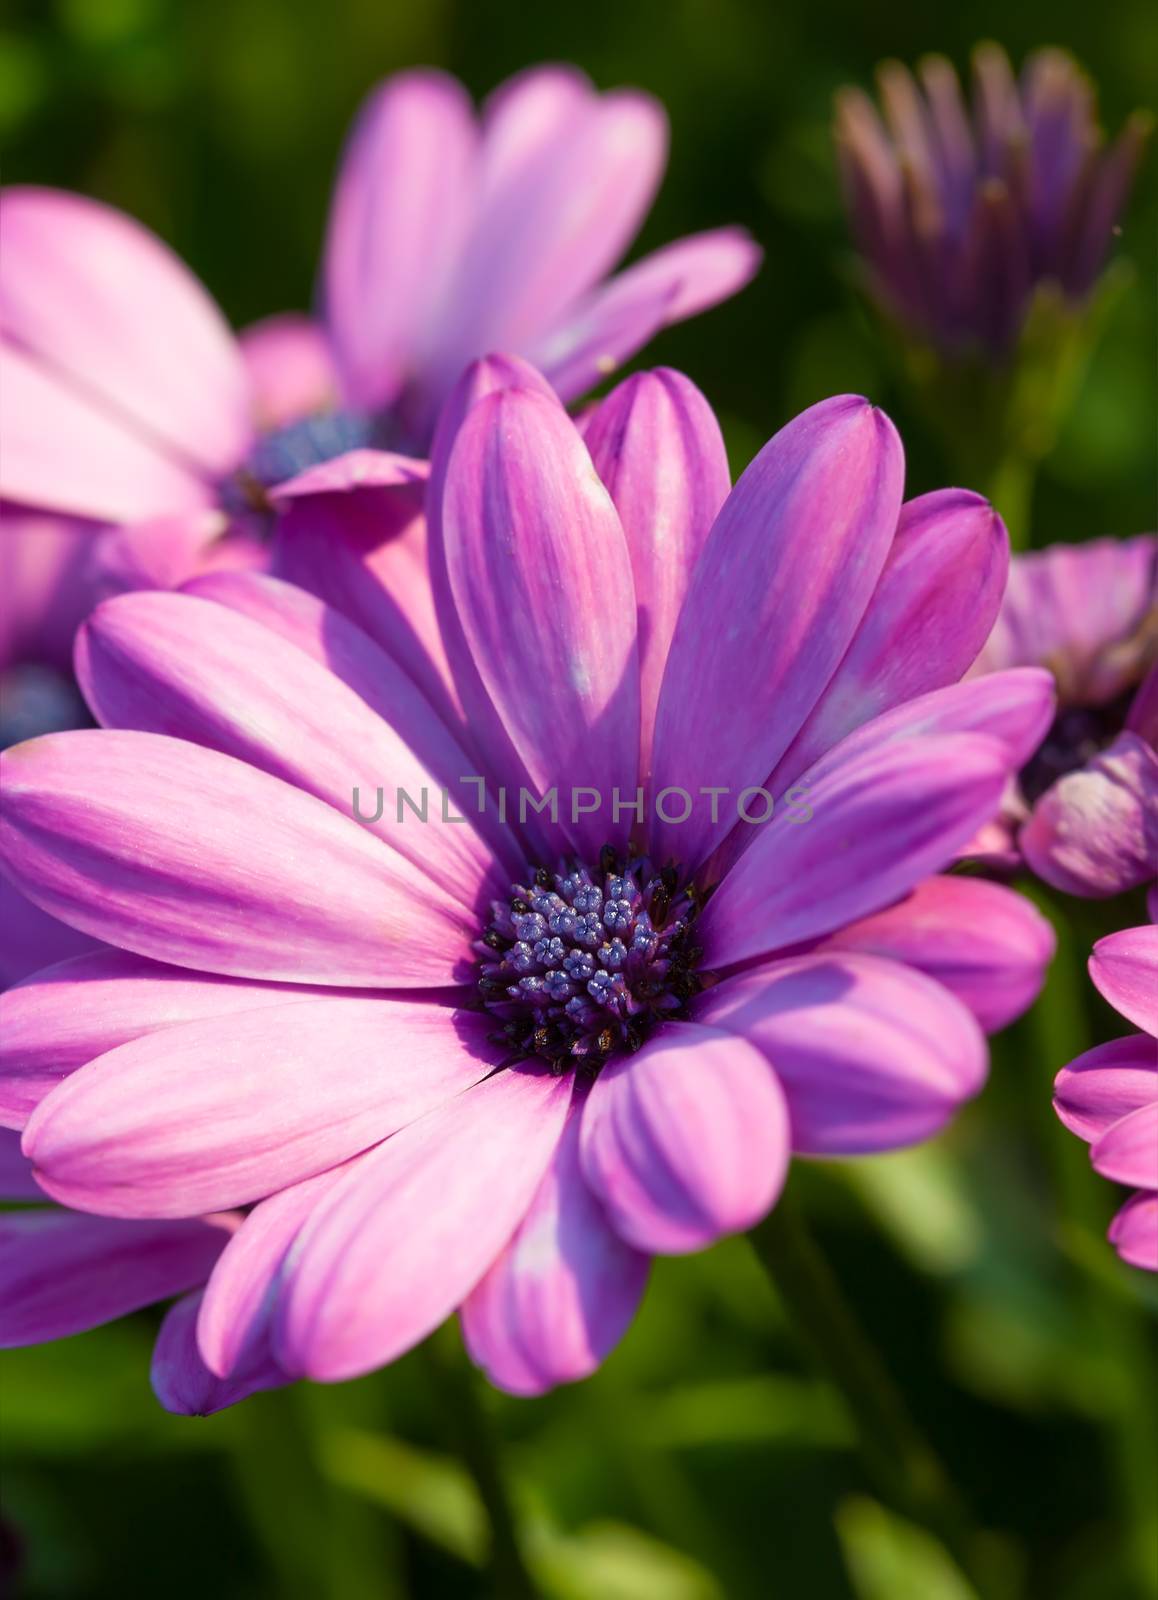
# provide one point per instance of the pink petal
(1134, 1232)
(880, 822)
(351, 531)
(185, 855)
(658, 448)
(58, 1019)
(870, 1054)
(612, 322)
(566, 178)
(1095, 831)
(184, 1384)
(929, 615)
(99, 302)
(401, 207)
(987, 945)
(62, 1272)
(561, 1294)
(1124, 967)
(163, 552)
(542, 579)
(114, 473)
(1128, 1150)
(291, 368)
(418, 1220)
(1073, 608)
(687, 1140)
(1106, 1084)
(330, 638)
(1015, 708)
(484, 727)
(221, 1112)
(777, 595)
(179, 665)
(235, 1310)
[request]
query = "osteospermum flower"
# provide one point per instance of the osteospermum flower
(496, 1059)
(1109, 1096)
(1084, 811)
(448, 236)
(961, 211)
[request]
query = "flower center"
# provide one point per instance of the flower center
(1078, 734)
(284, 452)
(581, 964)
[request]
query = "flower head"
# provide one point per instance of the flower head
(1084, 812)
(1109, 1096)
(496, 1058)
(962, 211)
(448, 235)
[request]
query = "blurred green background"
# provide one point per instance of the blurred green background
(706, 1459)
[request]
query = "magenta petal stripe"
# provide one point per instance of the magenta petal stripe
(189, 856)
(780, 587)
(881, 821)
(542, 579)
(561, 1294)
(1124, 967)
(687, 1140)
(985, 943)
(65, 1015)
(930, 614)
(237, 1304)
(1106, 1084)
(870, 1054)
(417, 1221)
(658, 447)
(179, 665)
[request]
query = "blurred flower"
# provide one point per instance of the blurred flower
(1084, 811)
(497, 1060)
(63, 1272)
(962, 212)
(448, 236)
(1109, 1096)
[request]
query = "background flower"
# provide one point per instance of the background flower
(1084, 812)
(1109, 1096)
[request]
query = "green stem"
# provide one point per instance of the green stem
(321, 1545)
(906, 1470)
(456, 1388)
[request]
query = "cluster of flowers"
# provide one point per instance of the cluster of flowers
(326, 1080)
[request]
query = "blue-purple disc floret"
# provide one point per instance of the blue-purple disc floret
(580, 964)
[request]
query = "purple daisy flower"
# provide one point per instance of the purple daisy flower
(497, 1059)
(961, 211)
(1109, 1096)
(449, 235)
(1084, 811)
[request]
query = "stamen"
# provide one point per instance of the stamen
(581, 964)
